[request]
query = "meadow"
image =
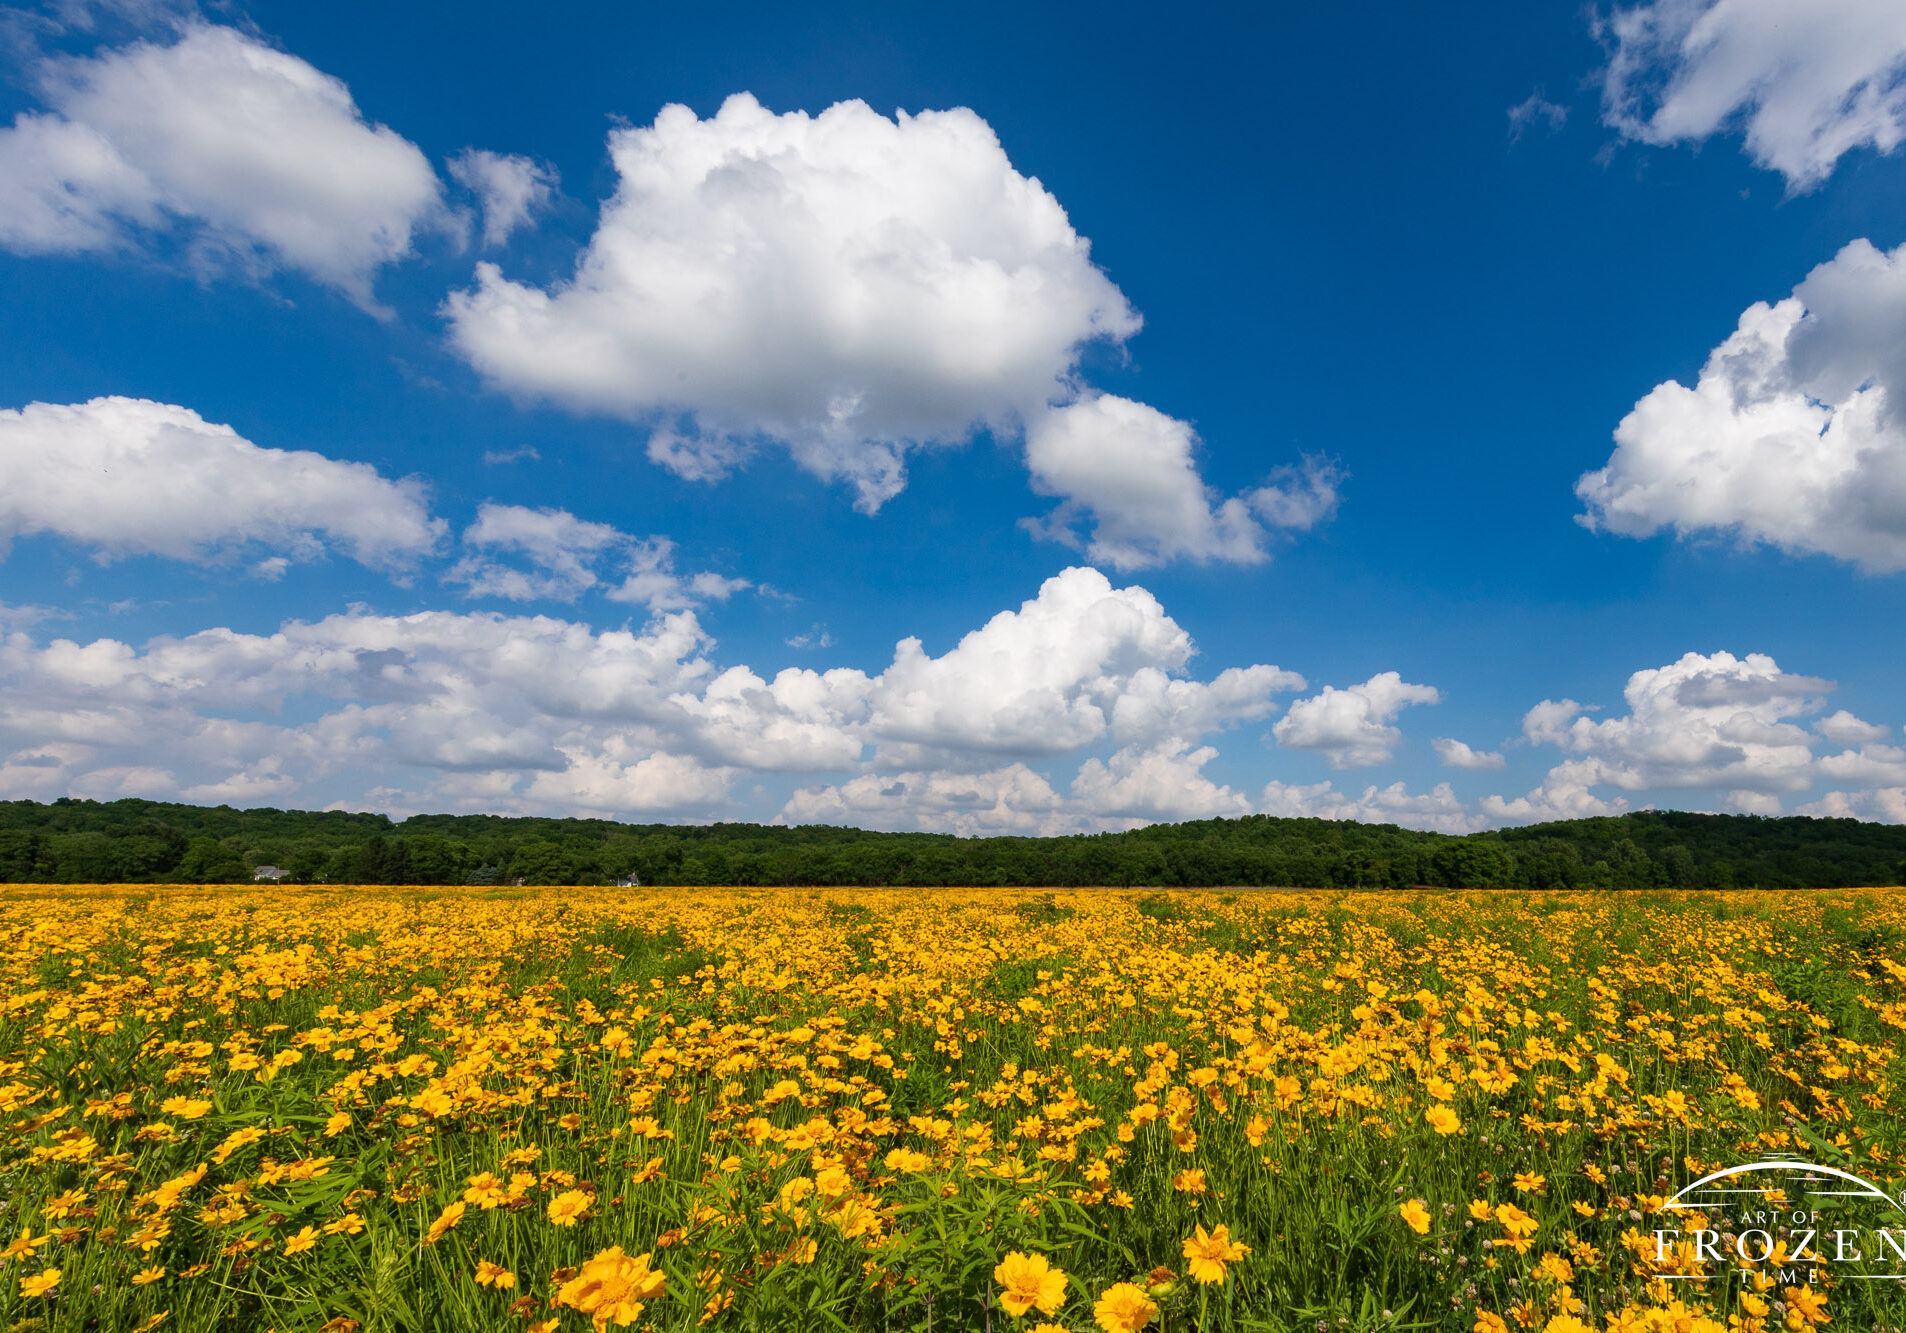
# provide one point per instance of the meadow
(348, 1109)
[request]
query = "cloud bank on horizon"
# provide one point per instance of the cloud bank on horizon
(860, 297)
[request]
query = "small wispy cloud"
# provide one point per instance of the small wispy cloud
(816, 637)
(522, 453)
(1535, 110)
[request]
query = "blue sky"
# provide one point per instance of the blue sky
(1447, 419)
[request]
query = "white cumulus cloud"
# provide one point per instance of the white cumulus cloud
(1457, 754)
(1884, 805)
(854, 288)
(1792, 435)
(249, 155)
(850, 285)
(1566, 793)
(1842, 728)
(1133, 470)
(1807, 81)
(538, 714)
(1707, 721)
(1352, 727)
(1870, 765)
(1008, 800)
(1080, 662)
(568, 556)
(561, 548)
(126, 476)
(1438, 810)
(1160, 782)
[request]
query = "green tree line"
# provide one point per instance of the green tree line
(137, 841)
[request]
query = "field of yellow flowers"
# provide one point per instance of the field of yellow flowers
(380, 1109)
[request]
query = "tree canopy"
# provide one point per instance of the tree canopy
(138, 841)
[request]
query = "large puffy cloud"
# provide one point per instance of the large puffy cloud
(1791, 436)
(1132, 469)
(1162, 782)
(1703, 721)
(846, 283)
(540, 714)
(1078, 663)
(854, 288)
(1352, 727)
(126, 476)
(567, 556)
(1714, 722)
(1808, 80)
(253, 156)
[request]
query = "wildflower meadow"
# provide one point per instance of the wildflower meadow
(346, 1109)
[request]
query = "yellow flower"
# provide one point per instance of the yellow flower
(1514, 1220)
(1029, 1280)
(494, 1275)
(447, 1219)
(1210, 1252)
(567, 1208)
(1479, 1209)
(337, 1124)
(186, 1108)
(1189, 1182)
(1416, 1213)
(147, 1276)
(1443, 1119)
(308, 1239)
(487, 1191)
(1124, 1308)
(1566, 1323)
(237, 1139)
(1555, 1268)
(612, 1288)
(40, 1283)
(1809, 1304)
(24, 1246)
(1487, 1322)
(61, 1204)
(1530, 1183)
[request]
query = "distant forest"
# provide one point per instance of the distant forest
(135, 841)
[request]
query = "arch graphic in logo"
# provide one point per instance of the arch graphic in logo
(1782, 1219)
